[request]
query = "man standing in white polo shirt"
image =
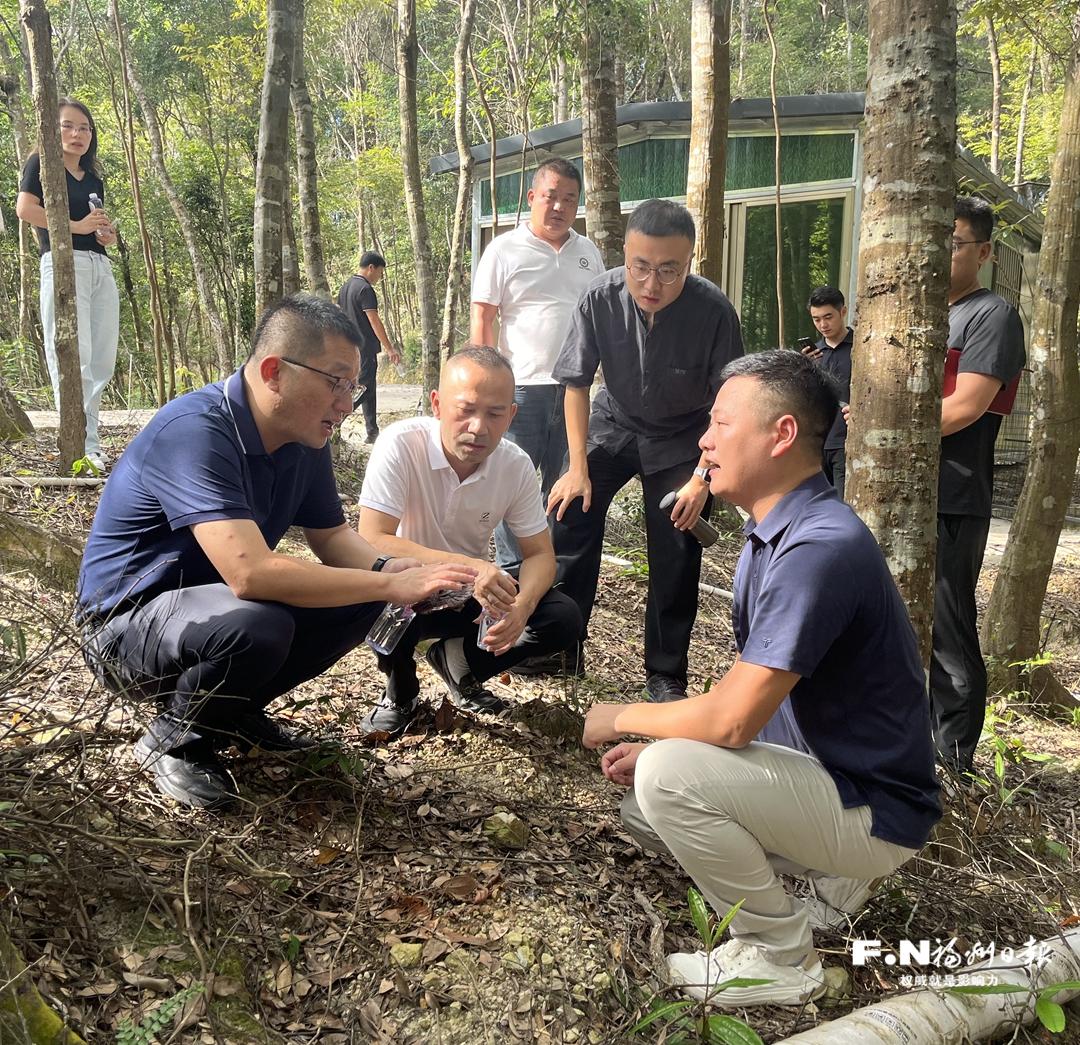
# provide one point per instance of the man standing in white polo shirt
(531, 279)
(434, 490)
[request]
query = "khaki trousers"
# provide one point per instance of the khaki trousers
(735, 819)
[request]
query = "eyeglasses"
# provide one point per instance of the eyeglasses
(957, 244)
(667, 274)
(76, 128)
(340, 387)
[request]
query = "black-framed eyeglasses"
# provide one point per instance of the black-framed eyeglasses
(667, 274)
(958, 243)
(340, 387)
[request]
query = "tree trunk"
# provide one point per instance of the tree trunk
(1021, 127)
(995, 105)
(14, 424)
(414, 195)
(710, 100)
(129, 291)
(778, 216)
(290, 262)
(600, 133)
(306, 174)
(894, 443)
(744, 34)
(183, 217)
(1011, 626)
(72, 435)
(273, 152)
(463, 206)
(562, 90)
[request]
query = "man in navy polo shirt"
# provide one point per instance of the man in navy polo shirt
(816, 616)
(183, 599)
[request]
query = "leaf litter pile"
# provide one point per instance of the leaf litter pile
(470, 882)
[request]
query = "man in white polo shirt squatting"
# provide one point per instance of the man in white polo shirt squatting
(531, 279)
(434, 490)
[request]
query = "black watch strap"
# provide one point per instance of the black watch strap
(380, 562)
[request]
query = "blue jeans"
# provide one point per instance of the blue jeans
(539, 429)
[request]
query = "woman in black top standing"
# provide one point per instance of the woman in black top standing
(97, 300)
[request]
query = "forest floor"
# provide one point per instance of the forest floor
(355, 896)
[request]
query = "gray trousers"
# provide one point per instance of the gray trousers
(735, 819)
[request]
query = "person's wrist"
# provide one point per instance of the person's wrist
(379, 564)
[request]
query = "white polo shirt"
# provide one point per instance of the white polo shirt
(535, 288)
(409, 477)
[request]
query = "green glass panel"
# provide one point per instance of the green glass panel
(656, 167)
(812, 244)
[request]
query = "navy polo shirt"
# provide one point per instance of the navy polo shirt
(813, 596)
(200, 459)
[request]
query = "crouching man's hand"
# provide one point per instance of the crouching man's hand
(619, 763)
(600, 725)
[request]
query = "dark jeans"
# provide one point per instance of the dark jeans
(206, 656)
(833, 464)
(674, 556)
(539, 429)
(957, 669)
(369, 367)
(554, 625)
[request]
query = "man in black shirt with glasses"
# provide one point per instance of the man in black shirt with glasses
(662, 337)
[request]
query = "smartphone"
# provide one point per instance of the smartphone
(803, 343)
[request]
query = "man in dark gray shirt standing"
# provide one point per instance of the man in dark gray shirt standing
(662, 337)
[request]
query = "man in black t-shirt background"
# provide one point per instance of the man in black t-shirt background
(989, 335)
(832, 352)
(357, 298)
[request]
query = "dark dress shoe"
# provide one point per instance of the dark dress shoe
(257, 729)
(466, 693)
(192, 774)
(661, 689)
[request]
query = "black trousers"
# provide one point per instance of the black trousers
(369, 367)
(957, 669)
(834, 464)
(205, 656)
(554, 625)
(674, 556)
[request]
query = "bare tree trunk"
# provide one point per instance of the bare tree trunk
(273, 152)
(995, 105)
(659, 13)
(482, 95)
(849, 48)
(562, 90)
(183, 217)
(894, 443)
(306, 173)
(1021, 128)
(72, 436)
(126, 121)
(463, 208)
(710, 100)
(129, 290)
(1011, 626)
(779, 219)
(414, 194)
(744, 33)
(290, 262)
(600, 133)
(14, 424)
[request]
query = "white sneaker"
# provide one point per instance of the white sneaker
(98, 462)
(702, 976)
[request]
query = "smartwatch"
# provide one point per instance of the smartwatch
(380, 562)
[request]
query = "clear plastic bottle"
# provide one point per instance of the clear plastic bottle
(387, 630)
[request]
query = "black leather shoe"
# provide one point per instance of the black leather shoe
(466, 693)
(661, 689)
(569, 662)
(389, 716)
(191, 774)
(257, 729)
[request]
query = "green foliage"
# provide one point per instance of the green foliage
(153, 1024)
(1049, 1013)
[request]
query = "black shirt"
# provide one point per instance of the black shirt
(989, 334)
(837, 361)
(355, 298)
(659, 383)
(78, 203)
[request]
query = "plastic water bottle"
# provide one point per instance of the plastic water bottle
(707, 534)
(387, 630)
(96, 204)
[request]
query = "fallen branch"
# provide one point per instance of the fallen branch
(657, 956)
(24, 1016)
(28, 482)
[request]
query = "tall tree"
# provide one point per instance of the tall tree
(273, 151)
(710, 101)
(600, 131)
(414, 193)
(463, 205)
(306, 173)
(72, 435)
(1012, 623)
(894, 442)
(995, 104)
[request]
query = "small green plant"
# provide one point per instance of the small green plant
(686, 1021)
(1049, 1013)
(144, 1032)
(1007, 751)
(86, 469)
